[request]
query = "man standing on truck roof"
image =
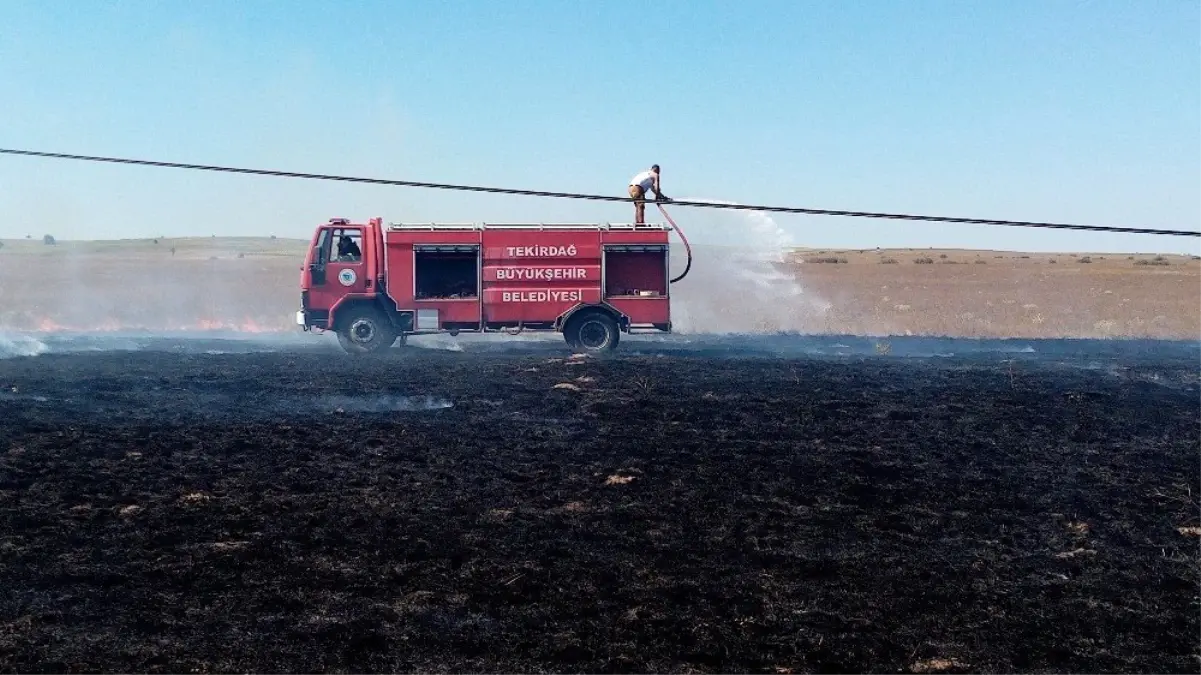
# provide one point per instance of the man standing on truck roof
(639, 186)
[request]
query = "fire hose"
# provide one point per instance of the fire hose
(687, 247)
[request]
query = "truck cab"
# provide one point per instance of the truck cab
(374, 284)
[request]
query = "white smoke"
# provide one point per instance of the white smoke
(735, 284)
(20, 345)
(436, 342)
(382, 403)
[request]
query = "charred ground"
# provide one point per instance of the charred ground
(436, 511)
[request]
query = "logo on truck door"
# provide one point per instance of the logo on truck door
(346, 277)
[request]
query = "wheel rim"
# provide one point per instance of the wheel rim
(593, 335)
(362, 330)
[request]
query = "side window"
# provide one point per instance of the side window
(348, 245)
(321, 247)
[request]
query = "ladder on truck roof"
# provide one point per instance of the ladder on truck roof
(526, 226)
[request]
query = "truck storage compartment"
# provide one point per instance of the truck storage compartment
(636, 271)
(450, 272)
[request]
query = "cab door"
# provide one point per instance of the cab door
(338, 266)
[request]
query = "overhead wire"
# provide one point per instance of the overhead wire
(607, 198)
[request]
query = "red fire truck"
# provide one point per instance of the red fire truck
(374, 284)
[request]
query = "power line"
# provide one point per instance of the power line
(606, 198)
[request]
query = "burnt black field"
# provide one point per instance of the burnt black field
(724, 506)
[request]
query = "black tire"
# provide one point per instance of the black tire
(592, 332)
(365, 330)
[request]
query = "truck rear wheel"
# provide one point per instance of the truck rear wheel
(592, 332)
(365, 330)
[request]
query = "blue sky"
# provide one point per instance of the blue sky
(1078, 111)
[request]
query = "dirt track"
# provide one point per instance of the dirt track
(173, 512)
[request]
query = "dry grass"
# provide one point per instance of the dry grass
(1005, 294)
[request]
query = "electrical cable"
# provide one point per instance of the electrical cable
(610, 198)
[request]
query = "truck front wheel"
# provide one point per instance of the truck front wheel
(365, 330)
(592, 332)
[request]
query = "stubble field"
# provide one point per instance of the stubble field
(178, 505)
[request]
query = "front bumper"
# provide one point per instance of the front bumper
(312, 318)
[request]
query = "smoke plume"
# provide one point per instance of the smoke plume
(738, 283)
(19, 345)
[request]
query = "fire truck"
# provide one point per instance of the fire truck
(375, 284)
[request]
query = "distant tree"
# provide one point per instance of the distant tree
(48, 240)
(1, 244)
